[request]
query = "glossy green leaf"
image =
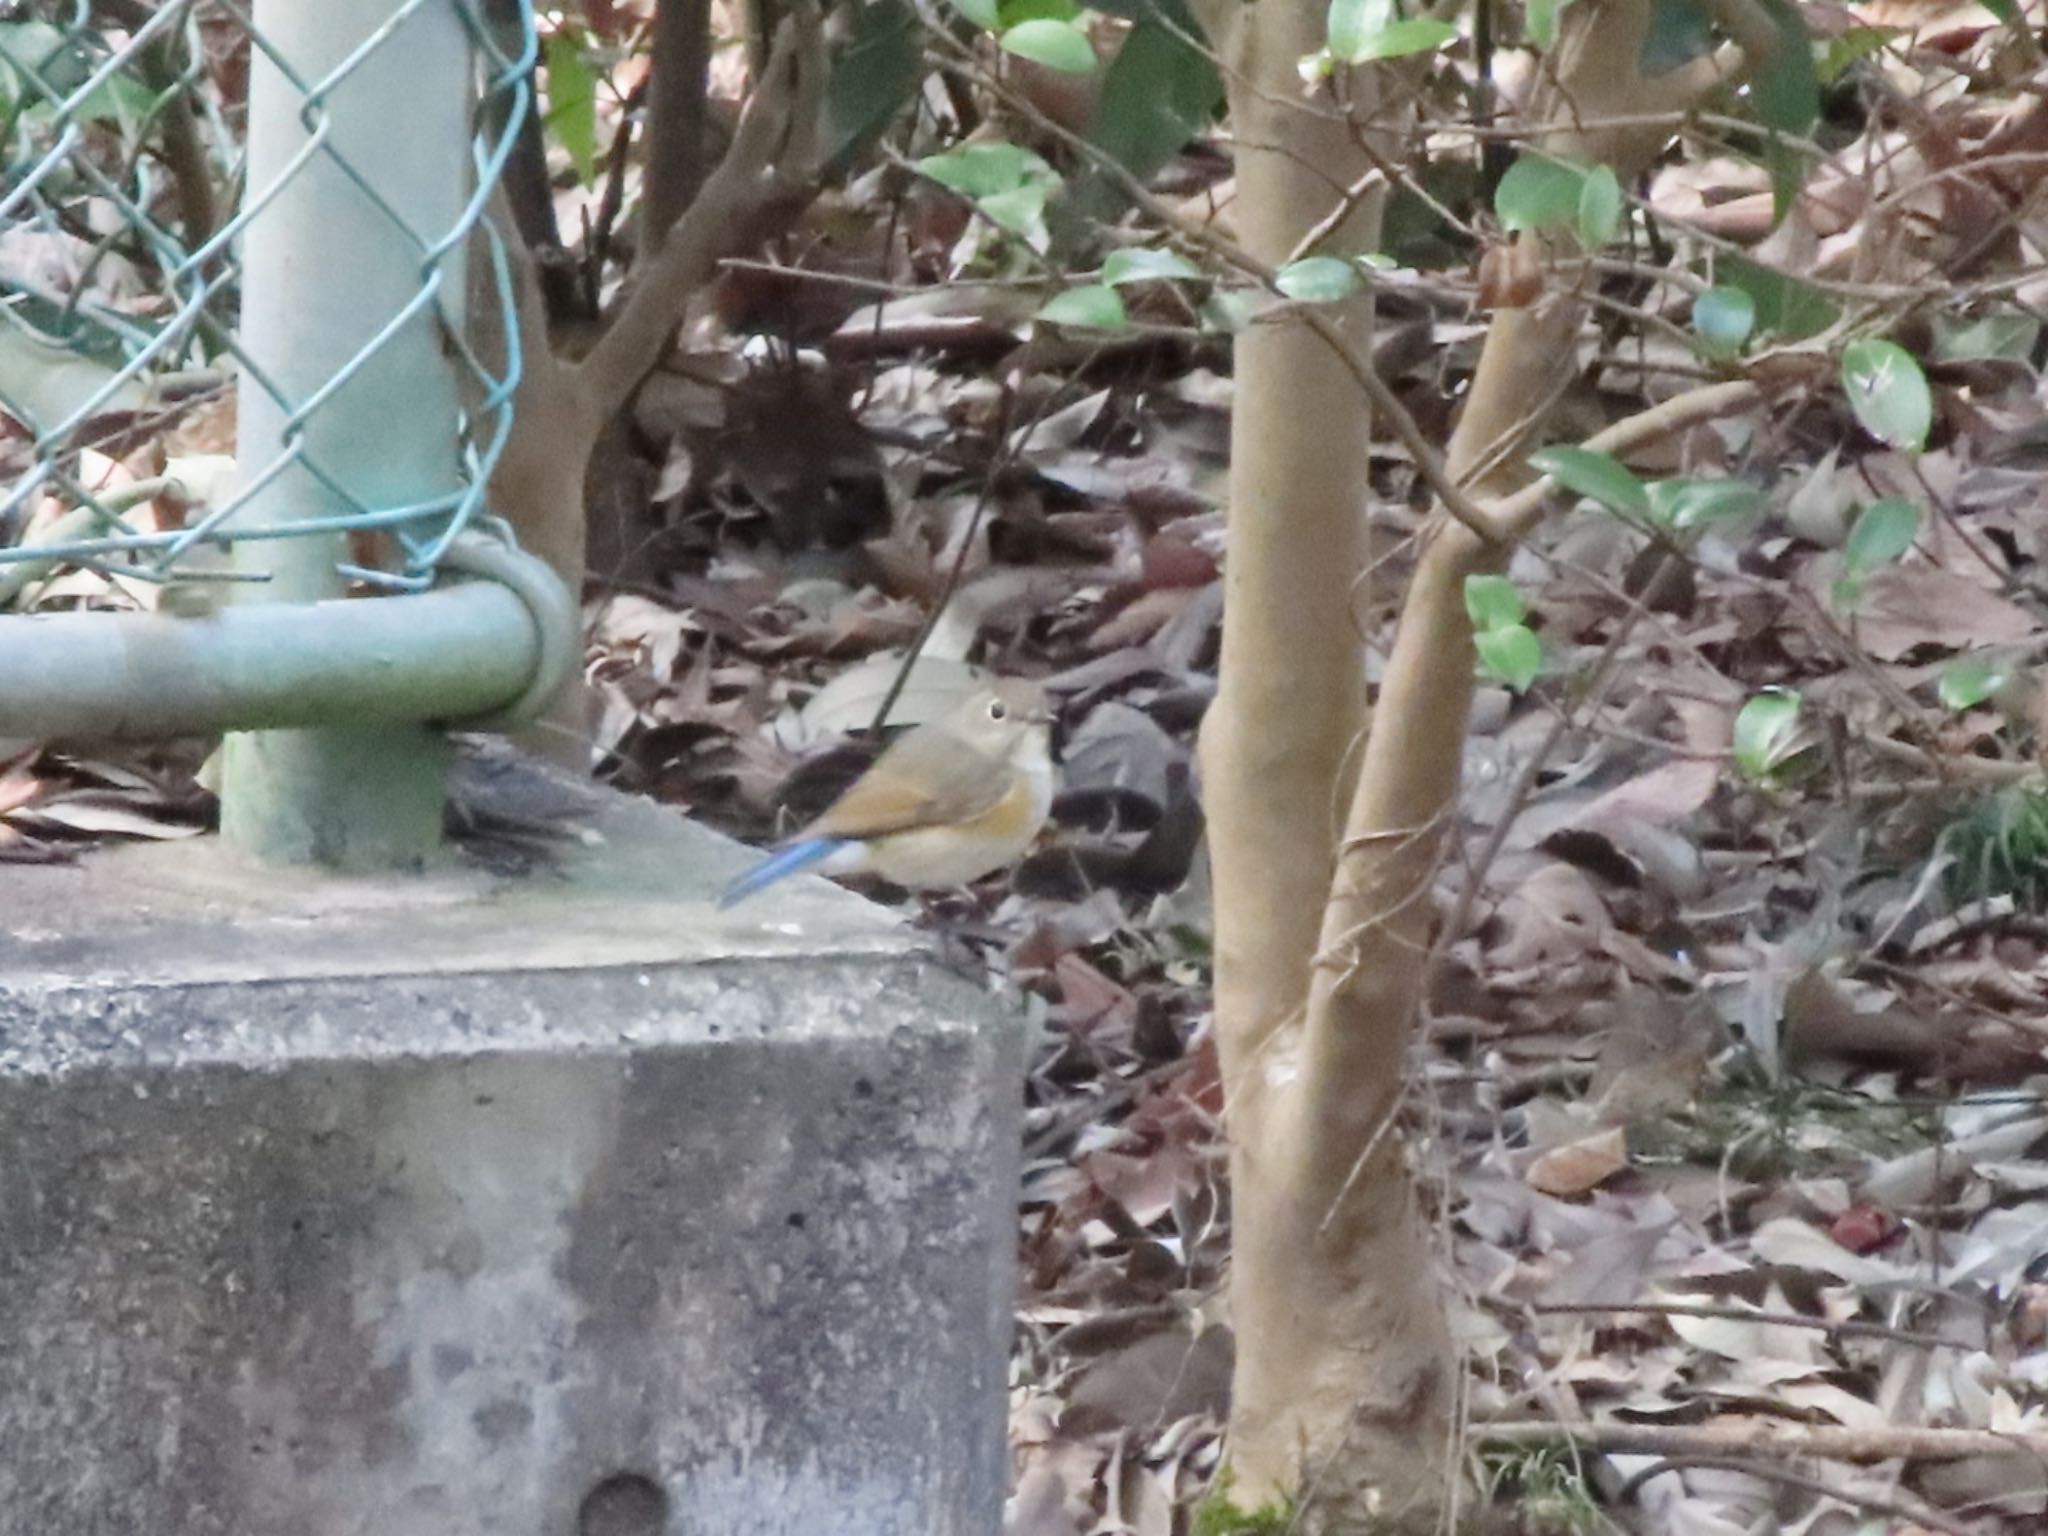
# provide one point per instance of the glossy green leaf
(982, 170)
(572, 101)
(1785, 88)
(983, 13)
(1013, 13)
(1843, 51)
(1970, 680)
(1883, 531)
(1766, 731)
(1021, 211)
(874, 76)
(1680, 31)
(1136, 264)
(1318, 280)
(1492, 602)
(1402, 39)
(1542, 21)
(1511, 654)
(1226, 313)
(1097, 306)
(47, 53)
(1539, 193)
(1687, 505)
(1723, 318)
(1786, 94)
(1351, 22)
(1599, 212)
(1888, 392)
(1598, 476)
(1159, 92)
(1058, 45)
(1784, 305)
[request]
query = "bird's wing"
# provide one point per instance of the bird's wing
(925, 779)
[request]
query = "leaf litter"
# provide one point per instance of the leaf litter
(1731, 1099)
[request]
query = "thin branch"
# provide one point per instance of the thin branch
(676, 117)
(1770, 1437)
(1429, 462)
(1897, 1506)
(768, 171)
(1710, 402)
(1847, 1327)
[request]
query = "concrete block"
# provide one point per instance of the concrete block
(470, 1202)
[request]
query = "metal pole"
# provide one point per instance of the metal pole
(325, 270)
(452, 654)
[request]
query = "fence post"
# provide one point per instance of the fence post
(386, 88)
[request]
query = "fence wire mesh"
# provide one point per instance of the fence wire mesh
(123, 214)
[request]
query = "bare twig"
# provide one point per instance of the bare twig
(1897, 1505)
(1771, 1437)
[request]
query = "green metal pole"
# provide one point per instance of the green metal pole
(324, 271)
(456, 653)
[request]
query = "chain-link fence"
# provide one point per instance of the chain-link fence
(201, 225)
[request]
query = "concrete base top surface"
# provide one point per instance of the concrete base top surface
(592, 879)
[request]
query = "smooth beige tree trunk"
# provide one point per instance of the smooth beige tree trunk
(1325, 839)
(1343, 1358)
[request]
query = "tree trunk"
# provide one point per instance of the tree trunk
(1325, 847)
(1342, 1355)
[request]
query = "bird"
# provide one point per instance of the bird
(948, 802)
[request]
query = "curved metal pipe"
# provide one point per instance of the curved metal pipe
(468, 649)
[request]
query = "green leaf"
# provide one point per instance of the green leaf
(1680, 31)
(1492, 602)
(1159, 92)
(2007, 337)
(45, 53)
(983, 13)
(1539, 193)
(1969, 680)
(118, 99)
(1784, 87)
(1784, 305)
(1845, 50)
(1723, 318)
(1226, 313)
(1097, 306)
(1888, 392)
(1543, 16)
(1599, 213)
(1014, 13)
(572, 101)
(1021, 211)
(1401, 39)
(1511, 654)
(1684, 505)
(1136, 264)
(1883, 532)
(1318, 279)
(873, 77)
(982, 170)
(1058, 45)
(1596, 475)
(1786, 93)
(1351, 22)
(1766, 732)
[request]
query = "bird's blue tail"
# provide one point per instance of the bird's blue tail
(797, 856)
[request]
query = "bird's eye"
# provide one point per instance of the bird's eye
(996, 711)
